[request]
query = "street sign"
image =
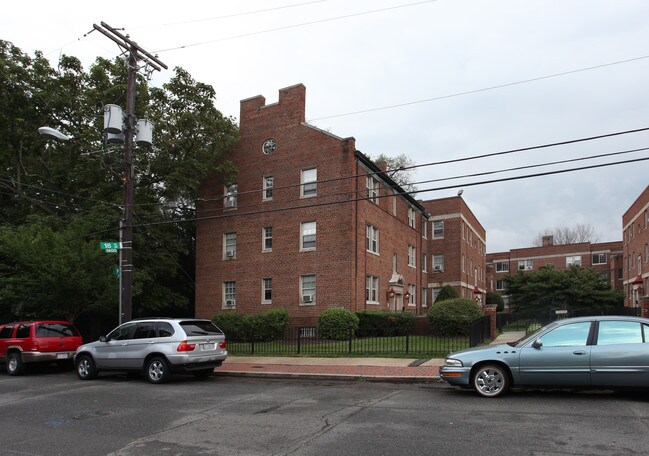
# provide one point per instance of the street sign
(110, 247)
(116, 271)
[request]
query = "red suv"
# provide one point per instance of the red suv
(25, 342)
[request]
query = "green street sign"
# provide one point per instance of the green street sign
(116, 271)
(110, 247)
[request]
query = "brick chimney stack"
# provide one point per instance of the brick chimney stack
(547, 241)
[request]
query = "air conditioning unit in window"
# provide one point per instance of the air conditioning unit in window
(307, 298)
(529, 268)
(230, 302)
(438, 269)
(230, 253)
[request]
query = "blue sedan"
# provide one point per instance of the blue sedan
(592, 352)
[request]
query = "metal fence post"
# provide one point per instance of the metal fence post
(299, 339)
(350, 339)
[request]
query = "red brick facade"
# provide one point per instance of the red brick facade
(635, 224)
(457, 248)
(318, 212)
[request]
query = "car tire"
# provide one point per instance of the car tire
(157, 370)
(15, 364)
(490, 380)
(203, 373)
(86, 368)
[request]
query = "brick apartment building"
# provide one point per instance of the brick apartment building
(310, 223)
(636, 250)
(606, 258)
(457, 248)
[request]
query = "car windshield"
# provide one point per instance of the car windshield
(200, 328)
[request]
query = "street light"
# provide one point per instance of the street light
(54, 134)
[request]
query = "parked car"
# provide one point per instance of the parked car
(593, 352)
(39, 341)
(157, 347)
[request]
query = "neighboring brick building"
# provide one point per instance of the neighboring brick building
(636, 250)
(457, 249)
(606, 258)
(309, 224)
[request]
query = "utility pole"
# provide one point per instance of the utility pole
(136, 54)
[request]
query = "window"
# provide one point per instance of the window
(438, 263)
(525, 265)
(372, 290)
(267, 291)
(230, 245)
(5, 333)
(411, 299)
(500, 285)
(599, 258)
(412, 218)
(436, 292)
(307, 290)
(123, 332)
(424, 261)
(372, 239)
(412, 256)
(229, 294)
(144, 330)
(372, 189)
(267, 194)
(501, 266)
(307, 238)
(395, 262)
(55, 330)
(267, 239)
(619, 332)
(23, 331)
(573, 260)
(309, 182)
(574, 334)
(424, 228)
(164, 329)
(438, 229)
(424, 297)
(230, 200)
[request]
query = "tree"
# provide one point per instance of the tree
(70, 193)
(400, 169)
(579, 290)
(495, 299)
(447, 292)
(568, 235)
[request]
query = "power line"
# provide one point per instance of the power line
(351, 200)
(287, 27)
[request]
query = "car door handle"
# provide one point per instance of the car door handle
(579, 352)
(124, 344)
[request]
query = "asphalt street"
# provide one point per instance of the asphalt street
(50, 412)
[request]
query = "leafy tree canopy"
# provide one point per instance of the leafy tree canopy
(59, 200)
(400, 170)
(576, 289)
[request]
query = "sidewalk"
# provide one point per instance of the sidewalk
(366, 369)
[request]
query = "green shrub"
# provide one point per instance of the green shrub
(495, 299)
(337, 323)
(447, 292)
(453, 317)
(379, 323)
(245, 328)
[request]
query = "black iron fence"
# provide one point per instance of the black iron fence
(306, 342)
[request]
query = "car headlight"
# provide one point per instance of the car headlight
(452, 362)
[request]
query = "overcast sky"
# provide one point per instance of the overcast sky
(435, 80)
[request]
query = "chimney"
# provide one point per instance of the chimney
(383, 165)
(547, 241)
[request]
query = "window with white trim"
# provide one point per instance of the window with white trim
(438, 229)
(412, 289)
(308, 181)
(438, 263)
(599, 258)
(308, 235)
(229, 246)
(412, 256)
(372, 239)
(573, 260)
(501, 266)
(424, 228)
(267, 239)
(230, 198)
(267, 194)
(229, 294)
(372, 290)
(372, 189)
(436, 292)
(500, 285)
(424, 297)
(307, 290)
(525, 265)
(412, 218)
(267, 290)
(424, 262)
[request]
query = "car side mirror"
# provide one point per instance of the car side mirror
(537, 343)
(103, 339)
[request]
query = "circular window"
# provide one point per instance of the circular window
(268, 146)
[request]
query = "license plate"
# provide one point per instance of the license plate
(208, 346)
(61, 356)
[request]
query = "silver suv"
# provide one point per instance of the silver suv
(157, 347)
